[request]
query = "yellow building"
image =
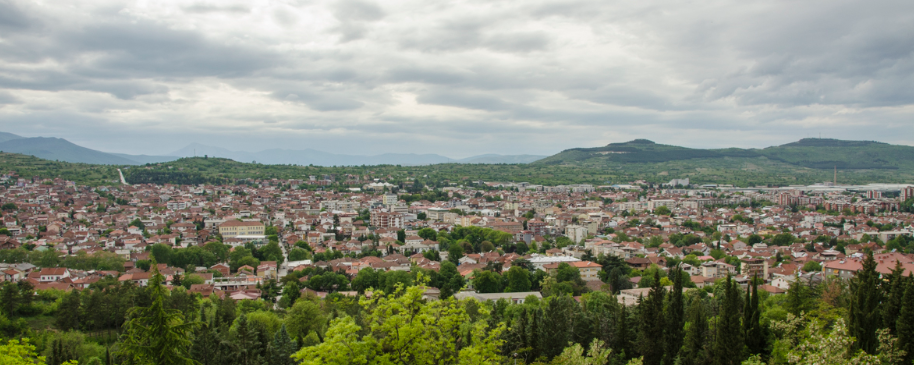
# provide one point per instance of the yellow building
(232, 229)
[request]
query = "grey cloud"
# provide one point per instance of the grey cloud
(354, 16)
(463, 100)
(320, 101)
(209, 8)
(438, 74)
(8, 98)
(12, 17)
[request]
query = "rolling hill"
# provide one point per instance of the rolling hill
(812, 153)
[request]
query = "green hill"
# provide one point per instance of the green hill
(812, 153)
(804, 162)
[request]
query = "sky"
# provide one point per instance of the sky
(456, 78)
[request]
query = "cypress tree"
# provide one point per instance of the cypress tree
(894, 292)
(864, 313)
(694, 350)
(904, 325)
(623, 334)
(728, 344)
(674, 319)
(752, 329)
(651, 329)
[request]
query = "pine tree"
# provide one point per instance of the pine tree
(205, 349)
(674, 319)
(282, 348)
(752, 329)
(245, 343)
(694, 350)
(156, 334)
(728, 344)
(865, 308)
(651, 338)
(904, 325)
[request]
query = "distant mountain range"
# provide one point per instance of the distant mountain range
(62, 150)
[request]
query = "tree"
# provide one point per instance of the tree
(156, 334)
(518, 279)
(728, 344)
(282, 348)
(245, 343)
(752, 329)
(298, 254)
(450, 279)
(69, 313)
(207, 345)
(402, 328)
(651, 308)
(14, 352)
(486, 281)
(598, 354)
(693, 350)
(305, 316)
(454, 253)
(812, 266)
(864, 312)
(904, 325)
(674, 319)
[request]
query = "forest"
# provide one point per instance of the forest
(867, 320)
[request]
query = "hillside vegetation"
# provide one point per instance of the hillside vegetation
(804, 162)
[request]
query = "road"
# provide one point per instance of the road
(122, 176)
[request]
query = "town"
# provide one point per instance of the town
(51, 227)
(281, 245)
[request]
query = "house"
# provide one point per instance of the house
(515, 298)
(50, 274)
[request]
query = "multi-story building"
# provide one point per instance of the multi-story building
(576, 233)
(233, 229)
(386, 220)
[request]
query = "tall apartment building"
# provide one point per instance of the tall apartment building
(387, 220)
(907, 193)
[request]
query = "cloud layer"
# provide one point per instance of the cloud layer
(456, 78)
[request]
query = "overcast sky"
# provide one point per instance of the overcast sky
(457, 78)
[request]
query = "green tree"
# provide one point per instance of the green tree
(674, 318)
(728, 344)
(282, 348)
(450, 279)
(518, 279)
(904, 324)
(694, 350)
(69, 313)
(454, 253)
(486, 281)
(156, 334)
(812, 266)
(305, 316)
(864, 312)
(245, 343)
(752, 328)
(651, 309)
